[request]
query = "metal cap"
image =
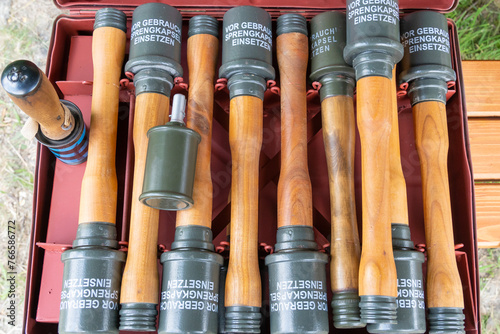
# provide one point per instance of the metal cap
(99, 234)
(289, 23)
(203, 24)
(193, 236)
(110, 17)
(295, 237)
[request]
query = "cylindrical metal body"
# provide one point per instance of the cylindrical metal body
(170, 166)
(328, 39)
(91, 281)
(410, 300)
(426, 66)
(297, 283)
(189, 297)
(247, 61)
(155, 40)
(372, 45)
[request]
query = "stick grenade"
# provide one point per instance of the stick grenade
(427, 70)
(373, 49)
(411, 306)
(246, 66)
(296, 258)
(339, 130)
(192, 257)
(56, 124)
(94, 263)
(153, 64)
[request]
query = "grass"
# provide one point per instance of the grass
(478, 25)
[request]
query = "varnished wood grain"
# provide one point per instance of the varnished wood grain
(488, 214)
(44, 107)
(339, 130)
(202, 53)
(99, 184)
(444, 288)
(482, 84)
(377, 271)
(485, 147)
(294, 186)
(140, 281)
(243, 285)
(399, 202)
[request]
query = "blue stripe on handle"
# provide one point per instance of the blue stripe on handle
(74, 161)
(72, 146)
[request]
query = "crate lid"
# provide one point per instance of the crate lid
(274, 7)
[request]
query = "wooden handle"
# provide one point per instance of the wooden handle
(399, 202)
(243, 286)
(339, 135)
(444, 288)
(377, 271)
(202, 53)
(99, 184)
(44, 107)
(140, 279)
(294, 186)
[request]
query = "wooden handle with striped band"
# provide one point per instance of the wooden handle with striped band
(294, 186)
(377, 272)
(202, 55)
(56, 124)
(444, 288)
(99, 184)
(243, 285)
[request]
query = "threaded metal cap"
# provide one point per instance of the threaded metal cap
(291, 23)
(203, 24)
(110, 17)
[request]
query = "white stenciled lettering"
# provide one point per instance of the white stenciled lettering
(249, 33)
(155, 30)
(189, 294)
(426, 39)
(361, 11)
